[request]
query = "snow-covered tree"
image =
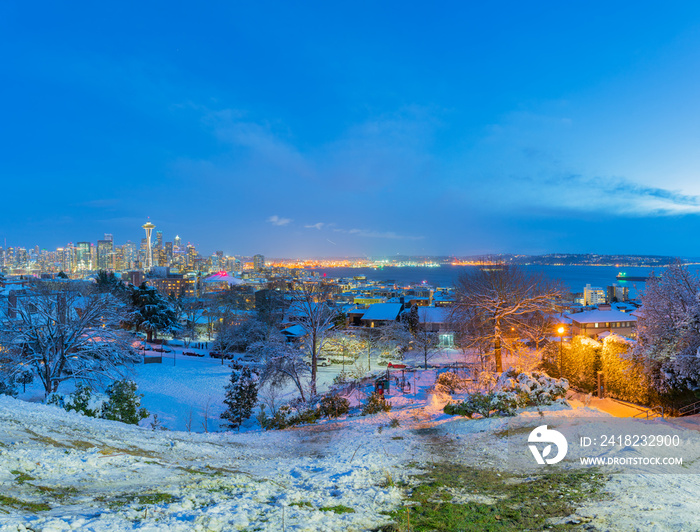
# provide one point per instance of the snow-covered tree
(238, 337)
(152, 312)
(241, 396)
(395, 338)
(65, 334)
(124, 404)
(281, 363)
(495, 306)
(342, 345)
(668, 329)
(310, 305)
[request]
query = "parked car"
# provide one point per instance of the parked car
(323, 361)
(247, 358)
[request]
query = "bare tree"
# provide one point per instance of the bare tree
(281, 363)
(65, 334)
(310, 305)
(496, 305)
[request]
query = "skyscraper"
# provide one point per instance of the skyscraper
(82, 256)
(105, 255)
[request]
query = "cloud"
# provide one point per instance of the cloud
(276, 220)
(318, 226)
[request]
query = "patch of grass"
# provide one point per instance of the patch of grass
(337, 509)
(24, 505)
(58, 492)
(140, 499)
(155, 498)
(394, 422)
(140, 453)
(397, 437)
(21, 477)
(81, 445)
(454, 497)
(302, 504)
(45, 439)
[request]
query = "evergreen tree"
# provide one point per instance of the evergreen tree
(152, 312)
(124, 403)
(241, 396)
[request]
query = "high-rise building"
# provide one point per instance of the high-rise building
(130, 253)
(593, 295)
(191, 255)
(159, 239)
(82, 256)
(258, 262)
(168, 253)
(178, 243)
(105, 255)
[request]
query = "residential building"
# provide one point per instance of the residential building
(595, 322)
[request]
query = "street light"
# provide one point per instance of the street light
(560, 330)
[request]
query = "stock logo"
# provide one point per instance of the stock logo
(549, 436)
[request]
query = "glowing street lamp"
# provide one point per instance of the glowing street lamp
(560, 331)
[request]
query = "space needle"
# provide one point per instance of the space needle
(148, 226)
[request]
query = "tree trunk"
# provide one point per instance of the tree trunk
(314, 362)
(497, 351)
(497, 346)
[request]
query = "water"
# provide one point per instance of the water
(573, 277)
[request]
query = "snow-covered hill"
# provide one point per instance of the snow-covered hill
(62, 471)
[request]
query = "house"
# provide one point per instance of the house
(594, 322)
(381, 313)
(436, 319)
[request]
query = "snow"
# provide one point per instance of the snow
(598, 316)
(280, 480)
(382, 312)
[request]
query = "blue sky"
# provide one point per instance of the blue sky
(360, 128)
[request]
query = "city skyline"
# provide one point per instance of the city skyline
(324, 131)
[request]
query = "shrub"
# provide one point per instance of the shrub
(80, 401)
(294, 413)
(375, 404)
(624, 371)
(482, 403)
(512, 390)
(124, 403)
(449, 382)
(333, 406)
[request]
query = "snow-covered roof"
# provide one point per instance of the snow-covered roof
(604, 316)
(295, 331)
(433, 314)
(382, 311)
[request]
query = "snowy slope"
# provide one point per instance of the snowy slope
(101, 475)
(93, 472)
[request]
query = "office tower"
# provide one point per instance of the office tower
(159, 239)
(82, 256)
(178, 243)
(131, 255)
(105, 255)
(168, 253)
